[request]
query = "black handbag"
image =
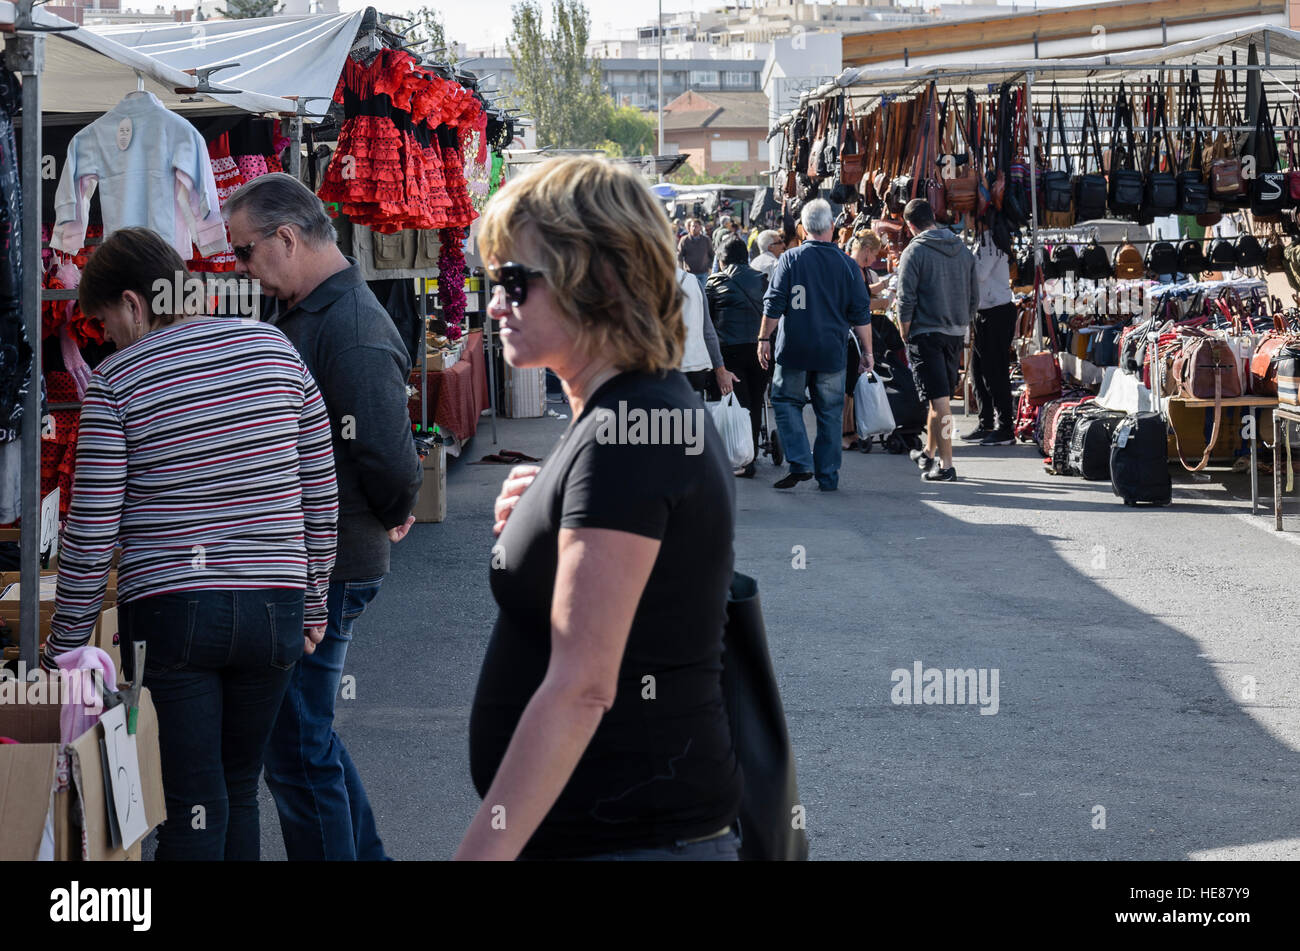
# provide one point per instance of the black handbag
(1268, 189)
(1095, 263)
(1058, 189)
(1160, 190)
(1126, 184)
(1066, 260)
(1249, 252)
(1089, 187)
(1223, 254)
(1162, 258)
(1191, 257)
(1193, 192)
(770, 806)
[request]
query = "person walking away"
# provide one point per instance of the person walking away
(702, 360)
(282, 236)
(617, 552)
(938, 294)
(770, 245)
(735, 297)
(816, 295)
(992, 332)
(204, 452)
(695, 251)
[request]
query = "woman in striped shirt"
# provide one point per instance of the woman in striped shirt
(204, 452)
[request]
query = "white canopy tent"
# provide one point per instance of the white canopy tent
(88, 72)
(286, 56)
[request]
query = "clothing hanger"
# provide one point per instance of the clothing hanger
(139, 92)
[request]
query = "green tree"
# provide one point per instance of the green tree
(631, 130)
(246, 9)
(731, 175)
(429, 26)
(554, 81)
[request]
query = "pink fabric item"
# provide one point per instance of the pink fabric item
(69, 275)
(73, 361)
(251, 166)
(4, 741)
(84, 711)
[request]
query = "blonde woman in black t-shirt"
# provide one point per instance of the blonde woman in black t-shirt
(598, 728)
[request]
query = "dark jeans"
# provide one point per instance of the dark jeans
(217, 666)
(991, 365)
(324, 812)
(742, 360)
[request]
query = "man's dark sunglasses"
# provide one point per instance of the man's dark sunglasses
(245, 251)
(514, 278)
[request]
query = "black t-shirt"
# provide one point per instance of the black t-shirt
(657, 769)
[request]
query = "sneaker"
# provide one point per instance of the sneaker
(999, 438)
(791, 480)
(940, 474)
(977, 434)
(923, 462)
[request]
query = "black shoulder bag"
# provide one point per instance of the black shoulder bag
(1089, 187)
(1126, 185)
(1193, 192)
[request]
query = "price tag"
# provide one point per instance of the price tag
(122, 777)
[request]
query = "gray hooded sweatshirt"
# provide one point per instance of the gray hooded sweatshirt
(937, 288)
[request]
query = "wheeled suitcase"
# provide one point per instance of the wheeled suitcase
(1057, 449)
(1090, 444)
(1139, 460)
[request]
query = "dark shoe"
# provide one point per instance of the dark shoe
(744, 472)
(791, 480)
(827, 488)
(999, 438)
(975, 435)
(940, 474)
(923, 462)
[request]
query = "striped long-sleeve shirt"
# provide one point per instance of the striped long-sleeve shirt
(204, 451)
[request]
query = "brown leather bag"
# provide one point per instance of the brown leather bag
(853, 154)
(1223, 166)
(1042, 375)
(960, 180)
(1206, 369)
(1263, 366)
(1129, 265)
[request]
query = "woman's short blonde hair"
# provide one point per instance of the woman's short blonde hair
(606, 248)
(865, 237)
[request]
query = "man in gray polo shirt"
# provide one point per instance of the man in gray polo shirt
(282, 236)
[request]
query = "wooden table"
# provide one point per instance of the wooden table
(1253, 403)
(1290, 414)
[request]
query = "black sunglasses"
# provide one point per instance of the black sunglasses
(243, 252)
(514, 278)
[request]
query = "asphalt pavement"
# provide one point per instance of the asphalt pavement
(1147, 663)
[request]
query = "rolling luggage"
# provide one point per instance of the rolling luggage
(1139, 460)
(1056, 441)
(1090, 444)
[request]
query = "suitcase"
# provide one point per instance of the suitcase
(1090, 444)
(1058, 441)
(1139, 460)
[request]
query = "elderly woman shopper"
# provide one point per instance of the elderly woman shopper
(204, 453)
(736, 303)
(614, 558)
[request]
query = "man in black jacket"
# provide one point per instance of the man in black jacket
(735, 296)
(282, 237)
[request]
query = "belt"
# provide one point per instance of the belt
(705, 838)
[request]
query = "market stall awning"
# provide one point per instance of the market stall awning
(277, 56)
(87, 72)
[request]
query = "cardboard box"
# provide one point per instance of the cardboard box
(30, 769)
(106, 635)
(431, 506)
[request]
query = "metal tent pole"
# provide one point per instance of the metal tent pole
(1033, 201)
(29, 58)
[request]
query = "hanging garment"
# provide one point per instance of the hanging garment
(15, 352)
(229, 179)
(155, 174)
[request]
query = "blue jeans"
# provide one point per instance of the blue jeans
(324, 812)
(725, 848)
(217, 666)
(790, 392)
(704, 280)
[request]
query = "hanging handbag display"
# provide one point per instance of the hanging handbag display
(1128, 263)
(1248, 252)
(1058, 186)
(958, 169)
(1089, 187)
(1160, 188)
(1268, 192)
(1095, 263)
(1274, 255)
(1191, 257)
(853, 153)
(1066, 260)
(1193, 192)
(1125, 184)
(1162, 258)
(1222, 164)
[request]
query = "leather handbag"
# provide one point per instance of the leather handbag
(1042, 375)
(1292, 169)
(1248, 251)
(960, 178)
(1058, 186)
(1095, 264)
(853, 153)
(1162, 258)
(1160, 188)
(1089, 187)
(1193, 192)
(1263, 365)
(1191, 257)
(1205, 368)
(1268, 191)
(1288, 373)
(1223, 254)
(1128, 262)
(1126, 185)
(1220, 160)
(759, 733)
(813, 168)
(1066, 260)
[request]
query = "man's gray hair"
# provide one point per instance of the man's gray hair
(817, 217)
(270, 201)
(765, 239)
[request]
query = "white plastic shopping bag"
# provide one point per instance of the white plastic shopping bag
(732, 421)
(871, 407)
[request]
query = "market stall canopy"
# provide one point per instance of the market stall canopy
(277, 56)
(86, 72)
(1278, 47)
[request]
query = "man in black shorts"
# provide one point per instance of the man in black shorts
(937, 297)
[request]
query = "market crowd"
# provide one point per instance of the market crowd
(293, 472)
